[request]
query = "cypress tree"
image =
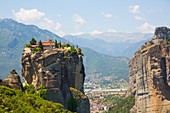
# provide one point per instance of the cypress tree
(56, 45)
(40, 45)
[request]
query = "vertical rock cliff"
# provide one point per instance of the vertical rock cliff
(58, 70)
(149, 75)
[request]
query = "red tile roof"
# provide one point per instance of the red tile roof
(48, 43)
(34, 45)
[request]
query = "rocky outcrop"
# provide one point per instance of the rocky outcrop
(149, 75)
(3, 83)
(14, 81)
(57, 70)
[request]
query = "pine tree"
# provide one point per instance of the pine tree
(33, 41)
(40, 45)
(56, 45)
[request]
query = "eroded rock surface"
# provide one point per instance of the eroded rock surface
(57, 70)
(149, 75)
(13, 80)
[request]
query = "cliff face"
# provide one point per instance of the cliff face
(149, 75)
(57, 70)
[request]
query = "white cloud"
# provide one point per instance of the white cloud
(111, 30)
(138, 18)
(50, 25)
(107, 15)
(78, 33)
(146, 28)
(59, 15)
(134, 9)
(28, 16)
(60, 33)
(95, 32)
(33, 16)
(78, 20)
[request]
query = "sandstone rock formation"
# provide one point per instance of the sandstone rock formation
(149, 75)
(13, 81)
(57, 70)
(2, 82)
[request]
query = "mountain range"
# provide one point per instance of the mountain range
(14, 36)
(111, 43)
(105, 66)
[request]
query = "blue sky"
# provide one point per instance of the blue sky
(89, 16)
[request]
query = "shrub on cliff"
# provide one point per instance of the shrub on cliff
(16, 101)
(72, 104)
(29, 89)
(76, 93)
(28, 45)
(35, 50)
(124, 105)
(42, 92)
(73, 51)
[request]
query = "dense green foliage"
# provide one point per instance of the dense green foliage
(28, 45)
(33, 41)
(124, 105)
(29, 89)
(73, 51)
(17, 101)
(72, 104)
(40, 45)
(65, 45)
(76, 93)
(42, 91)
(35, 50)
(110, 99)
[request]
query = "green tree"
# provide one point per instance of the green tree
(29, 89)
(42, 92)
(72, 104)
(40, 45)
(56, 45)
(67, 45)
(33, 41)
